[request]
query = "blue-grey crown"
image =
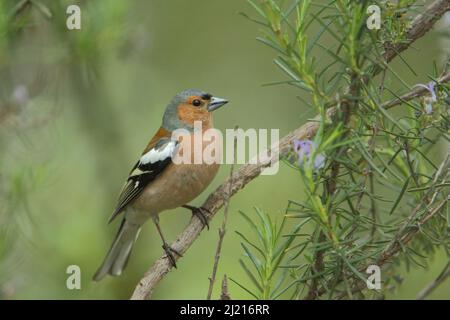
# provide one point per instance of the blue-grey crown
(189, 92)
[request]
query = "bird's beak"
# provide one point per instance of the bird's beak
(216, 103)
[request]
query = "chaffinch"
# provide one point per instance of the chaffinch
(157, 183)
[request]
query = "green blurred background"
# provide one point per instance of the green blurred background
(81, 105)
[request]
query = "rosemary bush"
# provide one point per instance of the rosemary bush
(372, 193)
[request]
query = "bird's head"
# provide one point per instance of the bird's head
(189, 106)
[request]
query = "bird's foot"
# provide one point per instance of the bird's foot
(200, 213)
(169, 253)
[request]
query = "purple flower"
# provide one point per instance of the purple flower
(430, 87)
(304, 150)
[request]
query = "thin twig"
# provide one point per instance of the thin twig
(421, 24)
(222, 229)
(417, 92)
(225, 295)
(436, 283)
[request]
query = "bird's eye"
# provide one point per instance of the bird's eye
(196, 102)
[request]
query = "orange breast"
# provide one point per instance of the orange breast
(179, 183)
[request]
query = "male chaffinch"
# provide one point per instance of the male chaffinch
(157, 183)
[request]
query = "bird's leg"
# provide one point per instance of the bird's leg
(167, 249)
(200, 213)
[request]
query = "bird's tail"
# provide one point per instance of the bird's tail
(117, 257)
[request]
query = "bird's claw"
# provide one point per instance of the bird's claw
(169, 253)
(200, 213)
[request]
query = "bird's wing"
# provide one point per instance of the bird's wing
(155, 159)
